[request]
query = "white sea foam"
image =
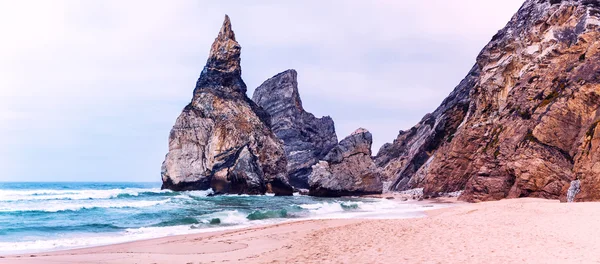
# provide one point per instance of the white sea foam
(87, 240)
(199, 193)
(233, 217)
(371, 209)
(59, 205)
(323, 208)
(24, 195)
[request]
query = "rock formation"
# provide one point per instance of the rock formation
(523, 123)
(306, 139)
(347, 169)
(573, 190)
(222, 139)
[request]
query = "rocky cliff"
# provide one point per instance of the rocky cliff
(523, 123)
(306, 139)
(347, 169)
(222, 140)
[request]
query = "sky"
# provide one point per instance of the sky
(89, 90)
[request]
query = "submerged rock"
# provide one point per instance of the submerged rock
(222, 140)
(306, 139)
(523, 123)
(347, 169)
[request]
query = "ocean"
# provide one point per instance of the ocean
(36, 217)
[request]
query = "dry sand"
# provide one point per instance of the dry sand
(509, 231)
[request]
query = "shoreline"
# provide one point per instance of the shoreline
(222, 230)
(507, 231)
(406, 209)
(98, 254)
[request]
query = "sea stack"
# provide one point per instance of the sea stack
(523, 123)
(222, 139)
(306, 139)
(348, 169)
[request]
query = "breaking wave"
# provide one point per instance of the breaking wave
(49, 216)
(24, 195)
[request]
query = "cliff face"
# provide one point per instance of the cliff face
(523, 123)
(347, 169)
(222, 139)
(306, 139)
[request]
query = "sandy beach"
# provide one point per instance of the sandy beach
(508, 231)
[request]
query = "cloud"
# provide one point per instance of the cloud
(90, 89)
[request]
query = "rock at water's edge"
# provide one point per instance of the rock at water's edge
(222, 140)
(348, 169)
(306, 139)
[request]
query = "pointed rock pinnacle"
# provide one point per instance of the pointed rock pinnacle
(225, 51)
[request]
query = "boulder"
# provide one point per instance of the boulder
(347, 170)
(574, 189)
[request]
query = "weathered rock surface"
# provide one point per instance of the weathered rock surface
(306, 139)
(222, 139)
(347, 169)
(574, 189)
(523, 123)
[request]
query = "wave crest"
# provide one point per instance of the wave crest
(26, 195)
(54, 206)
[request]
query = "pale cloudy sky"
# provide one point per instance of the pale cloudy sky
(90, 89)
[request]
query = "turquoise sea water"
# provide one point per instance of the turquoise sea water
(50, 216)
